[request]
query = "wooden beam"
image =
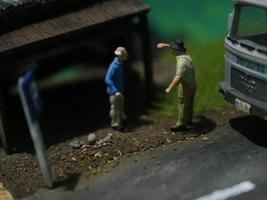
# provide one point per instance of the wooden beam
(15, 64)
(147, 56)
(5, 133)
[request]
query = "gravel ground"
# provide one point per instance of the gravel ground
(21, 176)
(20, 173)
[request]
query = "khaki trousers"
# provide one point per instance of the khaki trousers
(117, 113)
(185, 105)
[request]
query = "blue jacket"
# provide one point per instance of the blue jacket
(114, 77)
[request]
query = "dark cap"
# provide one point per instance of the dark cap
(178, 45)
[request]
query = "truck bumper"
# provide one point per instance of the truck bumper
(257, 108)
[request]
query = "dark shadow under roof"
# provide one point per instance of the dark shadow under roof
(98, 13)
(12, 4)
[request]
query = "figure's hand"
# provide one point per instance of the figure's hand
(161, 45)
(118, 94)
(168, 90)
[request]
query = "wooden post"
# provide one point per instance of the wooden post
(4, 131)
(147, 57)
(128, 66)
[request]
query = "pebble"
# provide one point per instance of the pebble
(205, 138)
(105, 140)
(76, 145)
(105, 144)
(85, 146)
(91, 138)
(210, 142)
(144, 117)
(99, 142)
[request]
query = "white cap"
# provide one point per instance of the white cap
(117, 53)
(120, 51)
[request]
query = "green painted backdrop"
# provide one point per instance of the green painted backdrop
(203, 25)
(200, 19)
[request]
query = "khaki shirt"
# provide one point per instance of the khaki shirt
(186, 70)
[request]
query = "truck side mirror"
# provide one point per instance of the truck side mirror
(230, 22)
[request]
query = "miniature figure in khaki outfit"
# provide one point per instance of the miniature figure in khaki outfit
(185, 78)
(115, 88)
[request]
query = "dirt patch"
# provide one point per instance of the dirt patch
(21, 175)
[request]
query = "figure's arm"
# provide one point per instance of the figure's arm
(163, 45)
(109, 78)
(176, 80)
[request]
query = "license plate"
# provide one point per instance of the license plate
(241, 105)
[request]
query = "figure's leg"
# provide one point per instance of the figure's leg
(191, 106)
(118, 111)
(188, 111)
(187, 107)
(124, 117)
(119, 101)
(113, 111)
(181, 107)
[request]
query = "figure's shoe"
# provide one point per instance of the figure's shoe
(115, 128)
(120, 129)
(125, 122)
(180, 128)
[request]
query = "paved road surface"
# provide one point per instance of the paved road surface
(233, 154)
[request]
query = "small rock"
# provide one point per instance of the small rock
(205, 138)
(75, 145)
(144, 117)
(104, 141)
(85, 146)
(210, 142)
(105, 144)
(98, 154)
(168, 140)
(74, 159)
(107, 138)
(91, 138)
(99, 142)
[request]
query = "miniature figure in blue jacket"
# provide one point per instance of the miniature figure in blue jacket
(115, 88)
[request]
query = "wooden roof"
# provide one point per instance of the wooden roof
(11, 4)
(101, 12)
(14, 5)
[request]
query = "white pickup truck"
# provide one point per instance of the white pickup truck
(245, 83)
